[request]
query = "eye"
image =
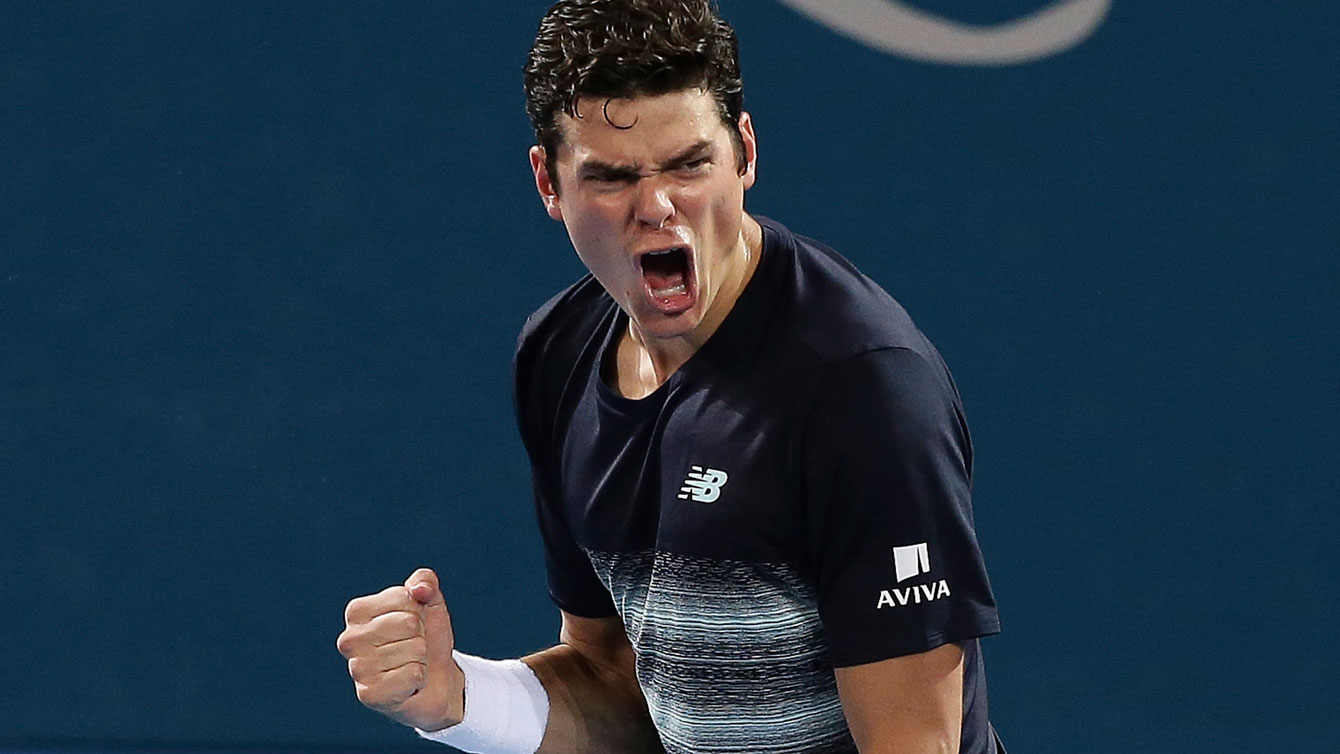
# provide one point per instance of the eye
(607, 181)
(694, 166)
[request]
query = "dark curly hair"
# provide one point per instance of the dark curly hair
(627, 48)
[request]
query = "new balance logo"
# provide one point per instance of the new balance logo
(703, 485)
(909, 562)
(912, 560)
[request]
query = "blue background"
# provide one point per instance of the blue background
(262, 266)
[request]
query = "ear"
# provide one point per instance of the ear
(750, 143)
(544, 183)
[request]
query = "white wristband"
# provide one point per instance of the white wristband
(506, 708)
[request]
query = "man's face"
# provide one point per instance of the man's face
(653, 201)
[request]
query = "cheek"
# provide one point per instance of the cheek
(594, 216)
(725, 207)
(713, 202)
(588, 228)
(598, 248)
(596, 257)
(732, 199)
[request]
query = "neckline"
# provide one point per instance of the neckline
(743, 320)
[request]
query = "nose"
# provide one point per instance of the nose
(654, 206)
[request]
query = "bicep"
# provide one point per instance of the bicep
(911, 704)
(895, 557)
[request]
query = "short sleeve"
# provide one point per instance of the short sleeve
(887, 463)
(573, 584)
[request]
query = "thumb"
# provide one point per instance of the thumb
(423, 587)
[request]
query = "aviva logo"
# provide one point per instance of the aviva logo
(703, 485)
(912, 595)
(900, 29)
(910, 561)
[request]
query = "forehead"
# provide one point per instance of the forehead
(638, 129)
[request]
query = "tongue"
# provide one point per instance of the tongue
(662, 271)
(661, 280)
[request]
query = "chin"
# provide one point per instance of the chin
(660, 325)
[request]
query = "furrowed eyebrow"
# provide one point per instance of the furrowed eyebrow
(611, 172)
(689, 154)
(606, 171)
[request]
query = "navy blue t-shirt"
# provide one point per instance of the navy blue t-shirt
(796, 497)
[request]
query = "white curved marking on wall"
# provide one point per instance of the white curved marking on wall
(898, 29)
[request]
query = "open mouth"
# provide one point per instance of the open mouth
(668, 278)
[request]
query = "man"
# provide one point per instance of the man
(751, 470)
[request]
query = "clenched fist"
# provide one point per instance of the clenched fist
(399, 644)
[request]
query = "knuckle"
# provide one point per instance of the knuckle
(345, 643)
(409, 624)
(385, 697)
(419, 646)
(366, 695)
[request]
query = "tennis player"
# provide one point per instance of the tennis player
(751, 470)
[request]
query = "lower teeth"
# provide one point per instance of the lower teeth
(671, 291)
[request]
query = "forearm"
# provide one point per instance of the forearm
(594, 705)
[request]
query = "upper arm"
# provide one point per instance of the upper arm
(911, 704)
(573, 583)
(887, 466)
(900, 577)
